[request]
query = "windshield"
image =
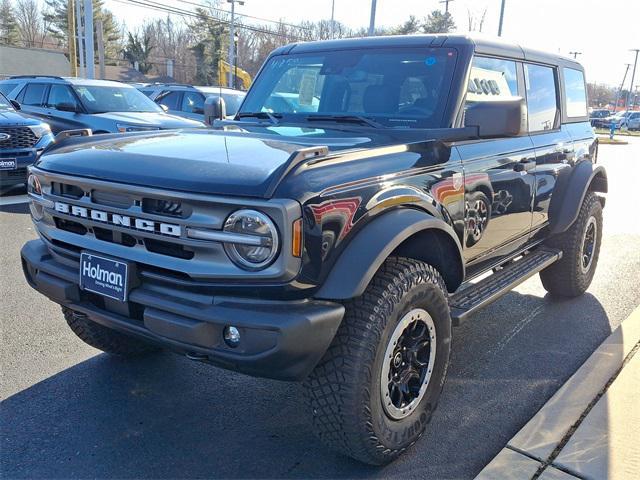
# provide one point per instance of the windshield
(5, 105)
(396, 87)
(102, 99)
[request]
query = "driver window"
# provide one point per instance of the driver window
(61, 94)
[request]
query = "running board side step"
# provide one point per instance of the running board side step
(472, 298)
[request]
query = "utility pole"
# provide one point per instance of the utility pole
(372, 18)
(615, 106)
(333, 27)
(501, 18)
(575, 54)
(88, 38)
(80, 36)
(99, 36)
(232, 36)
(71, 35)
(633, 75)
(446, 5)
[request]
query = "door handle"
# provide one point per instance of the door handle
(525, 165)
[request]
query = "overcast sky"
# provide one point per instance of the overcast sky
(603, 30)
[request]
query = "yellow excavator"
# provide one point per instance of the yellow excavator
(223, 75)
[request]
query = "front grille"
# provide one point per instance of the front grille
(17, 173)
(20, 137)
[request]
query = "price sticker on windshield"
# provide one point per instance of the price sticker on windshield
(307, 89)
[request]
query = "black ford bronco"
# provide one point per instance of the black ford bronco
(368, 195)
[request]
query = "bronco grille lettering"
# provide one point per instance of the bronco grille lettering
(120, 220)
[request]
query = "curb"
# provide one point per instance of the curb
(535, 446)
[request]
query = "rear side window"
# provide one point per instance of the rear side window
(575, 93)
(542, 97)
(492, 78)
(169, 100)
(6, 88)
(33, 94)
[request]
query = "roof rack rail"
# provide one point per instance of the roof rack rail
(36, 76)
(172, 84)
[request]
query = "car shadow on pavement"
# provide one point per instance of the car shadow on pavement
(163, 416)
(21, 208)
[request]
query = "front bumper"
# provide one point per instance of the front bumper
(279, 339)
(18, 175)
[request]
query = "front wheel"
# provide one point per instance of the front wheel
(580, 244)
(374, 392)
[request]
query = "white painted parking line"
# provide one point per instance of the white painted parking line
(13, 200)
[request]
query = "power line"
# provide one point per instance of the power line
(200, 5)
(187, 13)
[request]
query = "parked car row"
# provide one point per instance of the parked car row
(22, 139)
(188, 100)
(628, 119)
(34, 108)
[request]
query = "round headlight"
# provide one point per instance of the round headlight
(33, 185)
(256, 244)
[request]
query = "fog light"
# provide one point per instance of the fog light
(231, 336)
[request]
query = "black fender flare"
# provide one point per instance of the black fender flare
(371, 245)
(570, 193)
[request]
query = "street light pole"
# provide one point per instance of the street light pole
(333, 9)
(446, 5)
(232, 35)
(633, 76)
(501, 18)
(81, 72)
(372, 18)
(88, 38)
(615, 106)
(575, 54)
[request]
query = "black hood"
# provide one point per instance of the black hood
(230, 162)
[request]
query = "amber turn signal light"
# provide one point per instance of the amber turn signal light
(296, 244)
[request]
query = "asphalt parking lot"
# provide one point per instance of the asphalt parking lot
(69, 411)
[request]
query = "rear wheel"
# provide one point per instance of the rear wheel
(377, 386)
(580, 245)
(105, 339)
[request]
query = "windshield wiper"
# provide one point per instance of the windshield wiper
(346, 119)
(273, 117)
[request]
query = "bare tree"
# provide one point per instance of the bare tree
(30, 23)
(476, 22)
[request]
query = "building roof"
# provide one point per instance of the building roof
(32, 61)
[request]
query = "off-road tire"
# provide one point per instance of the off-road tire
(106, 339)
(565, 277)
(344, 391)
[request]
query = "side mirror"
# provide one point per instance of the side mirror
(497, 118)
(66, 107)
(214, 109)
(16, 105)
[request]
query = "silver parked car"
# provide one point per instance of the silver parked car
(101, 105)
(188, 100)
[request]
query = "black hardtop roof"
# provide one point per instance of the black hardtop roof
(494, 46)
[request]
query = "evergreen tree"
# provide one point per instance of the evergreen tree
(208, 50)
(407, 28)
(138, 50)
(56, 16)
(9, 34)
(438, 22)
